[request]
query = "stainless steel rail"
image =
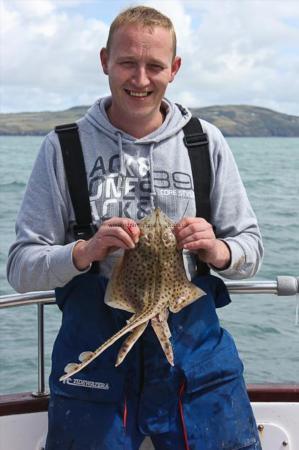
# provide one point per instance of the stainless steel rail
(282, 286)
(30, 298)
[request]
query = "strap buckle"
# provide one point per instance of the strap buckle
(195, 139)
(66, 127)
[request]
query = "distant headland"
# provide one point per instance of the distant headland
(232, 120)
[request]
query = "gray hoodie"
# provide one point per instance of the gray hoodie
(127, 177)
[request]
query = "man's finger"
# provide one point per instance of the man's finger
(200, 244)
(108, 232)
(190, 225)
(127, 224)
(134, 231)
(194, 237)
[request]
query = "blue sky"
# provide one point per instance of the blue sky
(233, 52)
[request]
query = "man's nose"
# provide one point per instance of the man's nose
(140, 76)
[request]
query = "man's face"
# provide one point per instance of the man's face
(139, 65)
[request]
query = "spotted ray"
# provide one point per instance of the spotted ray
(148, 281)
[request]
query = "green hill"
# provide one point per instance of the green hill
(245, 120)
(37, 123)
(233, 120)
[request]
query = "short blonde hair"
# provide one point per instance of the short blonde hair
(143, 16)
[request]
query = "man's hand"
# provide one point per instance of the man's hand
(197, 235)
(112, 235)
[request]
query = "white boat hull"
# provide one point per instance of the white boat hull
(278, 424)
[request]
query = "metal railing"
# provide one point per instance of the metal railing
(282, 286)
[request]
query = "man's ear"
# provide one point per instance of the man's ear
(104, 60)
(175, 66)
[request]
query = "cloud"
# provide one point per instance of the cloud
(233, 52)
(50, 57)
(246, 52)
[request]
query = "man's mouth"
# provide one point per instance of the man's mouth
(137, 94)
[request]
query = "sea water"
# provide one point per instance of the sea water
(263, 325)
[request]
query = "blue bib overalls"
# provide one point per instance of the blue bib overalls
(199, 404)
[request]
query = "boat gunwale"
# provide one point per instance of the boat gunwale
(26, 402)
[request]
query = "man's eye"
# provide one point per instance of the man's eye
(155, 67)
(127, 63)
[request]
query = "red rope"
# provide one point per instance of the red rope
(182, 388)
(125, 414)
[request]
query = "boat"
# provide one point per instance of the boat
(23, 416)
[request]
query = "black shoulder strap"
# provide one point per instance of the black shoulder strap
(197, 144)
(76, 178)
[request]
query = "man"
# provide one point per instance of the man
(136, 160)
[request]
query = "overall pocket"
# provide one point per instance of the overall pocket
(95, 385)
(216, 408)
(87, 411)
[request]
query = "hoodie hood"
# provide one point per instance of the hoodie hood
(173, 123)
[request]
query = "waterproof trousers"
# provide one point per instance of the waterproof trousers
(199, 404)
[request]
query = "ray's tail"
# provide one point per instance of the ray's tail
(135, 321)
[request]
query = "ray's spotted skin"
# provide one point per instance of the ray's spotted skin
(148, 281)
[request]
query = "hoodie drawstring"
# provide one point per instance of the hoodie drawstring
(153, 193)
(121, 155)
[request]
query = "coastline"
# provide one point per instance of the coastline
(232, 120)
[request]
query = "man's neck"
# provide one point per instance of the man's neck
(138, 128)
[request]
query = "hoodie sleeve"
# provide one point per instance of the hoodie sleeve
(40, 259)
(232, 215)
